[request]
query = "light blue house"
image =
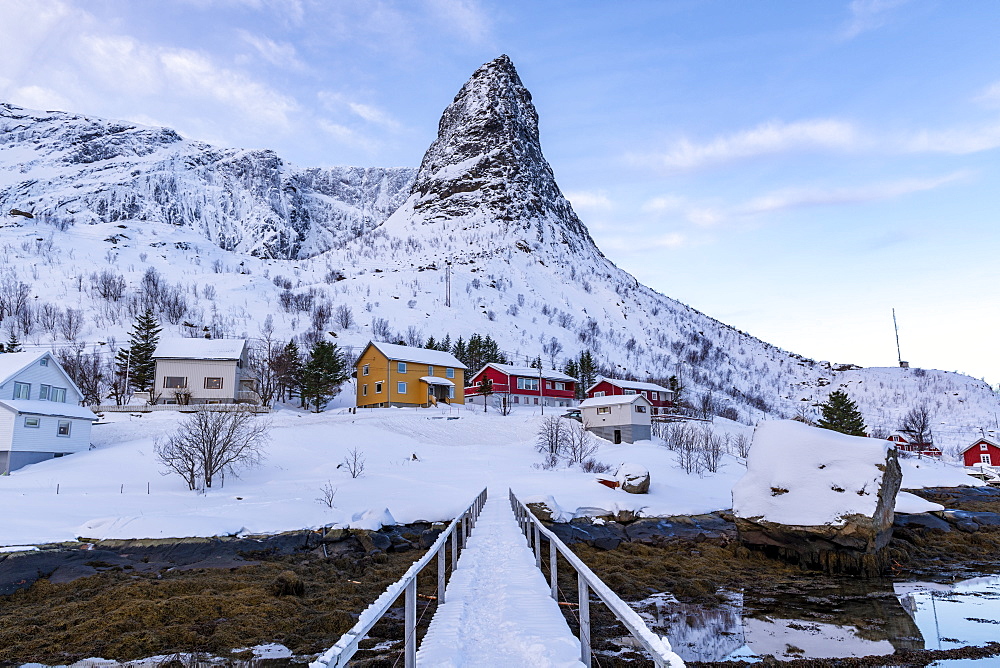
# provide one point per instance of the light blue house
(40, 412)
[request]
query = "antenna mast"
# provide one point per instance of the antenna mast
(899, 355)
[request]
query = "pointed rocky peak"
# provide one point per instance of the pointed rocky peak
(486, 166)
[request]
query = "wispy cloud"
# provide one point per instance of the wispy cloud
(593, 200)
(279, 54)
(465, 17)
(346, 135)
(338, 103)
(955, 140)
(765, 139)
(37, 97)
(868, 15)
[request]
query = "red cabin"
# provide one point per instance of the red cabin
(525, 385)
(903, 444)
(660, 397)
(984, 451)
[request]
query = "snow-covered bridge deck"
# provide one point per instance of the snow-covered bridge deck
(498, 609)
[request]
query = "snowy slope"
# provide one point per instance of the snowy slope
(212, 223)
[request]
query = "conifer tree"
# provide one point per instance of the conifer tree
(288, 369)
(587, 369)
(676, 385)
(13, 345)
(841, 414)
(431, 344)
(322, 375)
(460, 352)
(485, 391)
(136, 361)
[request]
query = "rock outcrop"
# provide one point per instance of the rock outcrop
(818, 498)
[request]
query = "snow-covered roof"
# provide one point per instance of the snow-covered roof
(12, 363)
(613, 400)
(630, 385)
(200, 349)
(529, 372)
(989, 441)
(396, 352)
(807, 476)
(434, 380)
(52, 408)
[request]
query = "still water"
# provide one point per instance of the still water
(861, 619)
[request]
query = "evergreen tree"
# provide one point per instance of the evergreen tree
(485, 391)
(136, 361)
(536, 363)
(288, 369)
(841, 414)
(13, 345)
(587, 369)
(675, 385)
(322, 375)
(446, 343)
(431, 344)
(460, 352)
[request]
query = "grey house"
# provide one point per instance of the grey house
(619, 419)
(202, 371)
(40, 413)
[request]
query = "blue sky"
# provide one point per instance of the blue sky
(793, 169)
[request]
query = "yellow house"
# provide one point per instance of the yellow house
(394, 375)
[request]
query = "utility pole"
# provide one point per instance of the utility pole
(447, 284)
(899, 355)
(541, 388)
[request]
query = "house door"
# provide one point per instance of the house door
(618, 436)
(985, 459)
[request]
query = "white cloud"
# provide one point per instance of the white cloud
(279, 54)
(36, 97)
(339, 103)
(956, 140)
(869, 14)
(582, 199)
(346, 135)
(465, 17)
(765, 139)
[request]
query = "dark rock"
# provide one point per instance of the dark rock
(380, 540)
(428, 536)
(921, 521)
(968, 526)
(540, 510)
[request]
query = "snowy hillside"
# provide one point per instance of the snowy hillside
(198, 232)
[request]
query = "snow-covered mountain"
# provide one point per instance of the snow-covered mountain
(221, 238)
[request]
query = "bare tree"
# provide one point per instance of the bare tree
(88, 371)
(263, 364)
(328, 494)
(354, 462)
(380, 329)
(502, 403)
(414, 337)
(552, 349)
(210, 443)
(711, 449)
(580, 443)
(551, 439)
(917, 423)
(344, 316)
(741, 445)
(108, 284)
(70, 323)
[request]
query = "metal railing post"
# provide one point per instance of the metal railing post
(465, 532)
(553, 575)
(538, 549)
(583, 593)
(441, 582)
(410, 624)
(454, 549)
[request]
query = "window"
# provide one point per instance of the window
(22, 390)
(985, 459)
(58, 394)
(656, 396)
(378, 388)
(364, 390)
(43, 362)
(598, 394)
(449, 373)
(548, 384)
(401, 388)
(643, 393)
(536, 401)
(175, 382)
(640, 409)
(43, 392)
(603, 410)
(560, 386)
(629, 392)
(401, 367)
(430, 371)
(213, 383)
(527, 384)
(517, 399)
(32, 422)
(983, 446)
(451, 392)
(364, 370)
(64, 426)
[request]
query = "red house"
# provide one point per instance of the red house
(904, 444)
(525, 385)
(660, 397)
(984, 451)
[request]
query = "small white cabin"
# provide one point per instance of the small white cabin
(619, 419)
(40, 413)
(202, 371)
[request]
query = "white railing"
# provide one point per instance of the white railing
(587, 581)
(458, 531)
(146, 408)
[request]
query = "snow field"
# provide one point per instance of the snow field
(498, 610)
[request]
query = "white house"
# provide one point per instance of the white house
(40, 412)
(621, 418)
(202, 371)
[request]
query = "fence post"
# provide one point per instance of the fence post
(454, 549)
(583, 593)
(553, 575)
(538, 548)
(410, 624)
(441, 560)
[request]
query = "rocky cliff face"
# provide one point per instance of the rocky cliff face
(485, 172)
(80, 170)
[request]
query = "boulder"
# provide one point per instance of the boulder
(634, 478)
(818, 498)
(540, 510)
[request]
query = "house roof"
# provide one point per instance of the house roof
(434, 380)
(630, 384)
(200, 349)
(528, 372)
(614, 400)
(13, 363)
(416, 355)
(51, 408)
(989, 441)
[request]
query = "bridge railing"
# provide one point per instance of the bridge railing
(458, 533)
(587, 581)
